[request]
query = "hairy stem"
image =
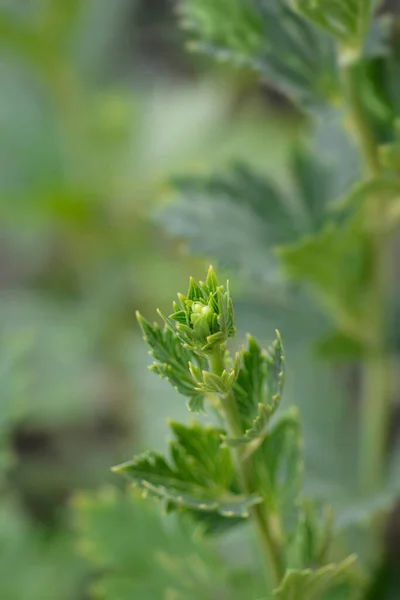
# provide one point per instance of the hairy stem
(375, 407)
(266, 524)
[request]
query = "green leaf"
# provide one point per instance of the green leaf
(238, 216)
(138, 554)
(377, 41)
(347, 20)
(278, 463)
(23, 40)
(48, 566)
(336, 344)
(172, 361)
(313, 537)
(258, 389)
(335, 264)
(216, 384)
(199, 477)
(269, 38)
(313, 585)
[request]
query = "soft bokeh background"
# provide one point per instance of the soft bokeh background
(99, 107)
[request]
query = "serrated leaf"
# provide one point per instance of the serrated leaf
(239, 216)
(199, 477)
(172, 362)
(313, 585)
(267, 37)
(258, 389)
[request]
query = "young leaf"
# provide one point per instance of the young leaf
(258, 389)
(199, 477)
(204, 319)
(313, 537)
(313, 585)
(172, 362)
(216, 384)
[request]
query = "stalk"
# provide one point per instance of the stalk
(375, 399)
(266, 524)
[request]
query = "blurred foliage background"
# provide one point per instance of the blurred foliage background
(100, 107)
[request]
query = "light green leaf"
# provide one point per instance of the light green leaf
(216, 384)
(313, 585)
(204, 319)
(313, 537)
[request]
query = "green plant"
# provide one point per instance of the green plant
(329, 227)
(248, 464)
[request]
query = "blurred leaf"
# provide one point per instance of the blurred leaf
(138, 554)
(338, 344)
(346, 20)
(19, 37)
(377, 41)
(313, 585)
(48, 567)
(269, 38)
(313, 537)
(240, 215)
(335, 264)
(279, 464)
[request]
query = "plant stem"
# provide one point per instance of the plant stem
(266, 524)
(375, 408)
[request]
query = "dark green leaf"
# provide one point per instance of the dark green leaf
(200, 475)
(239, 216)
(267, 37)
(258, 389)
